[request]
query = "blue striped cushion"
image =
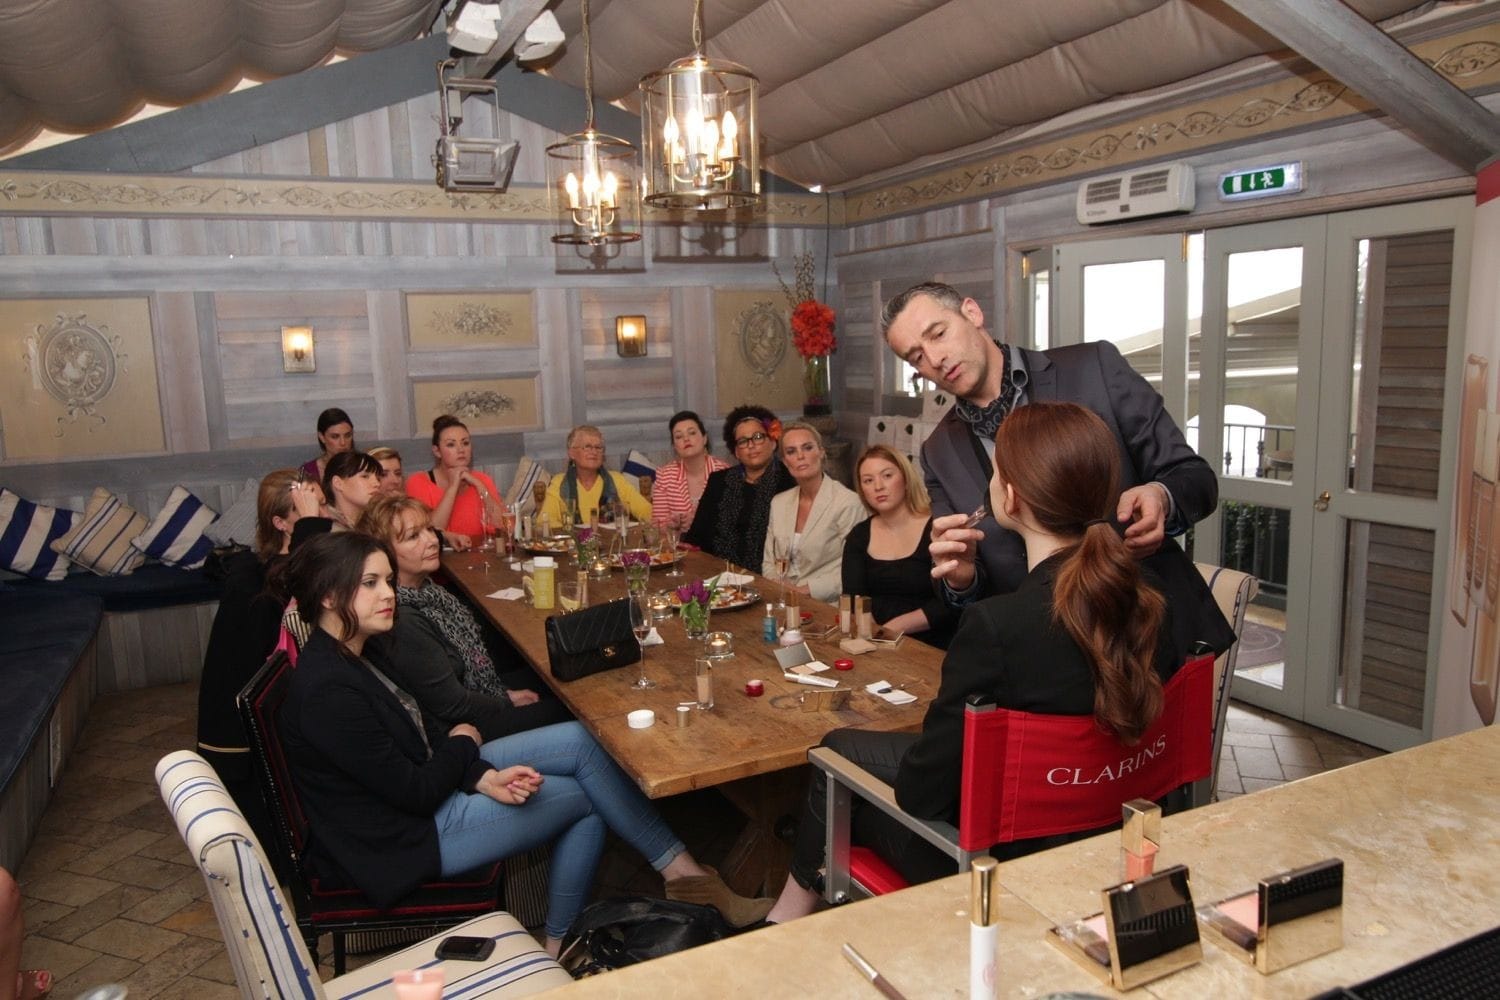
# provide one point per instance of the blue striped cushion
(100, 541)
(638, 463)
(27, 531)
(176, 534)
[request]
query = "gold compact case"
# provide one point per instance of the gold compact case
(1287, 919)
(1147, 931)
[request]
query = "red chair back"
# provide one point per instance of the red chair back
(1027, 775)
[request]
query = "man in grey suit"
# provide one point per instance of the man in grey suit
(1166, 486)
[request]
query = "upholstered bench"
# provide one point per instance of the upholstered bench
(47, 646)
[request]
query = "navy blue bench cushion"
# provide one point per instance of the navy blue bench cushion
(43, 633)
(149, 587)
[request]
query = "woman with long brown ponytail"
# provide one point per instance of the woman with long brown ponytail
(1086, 632)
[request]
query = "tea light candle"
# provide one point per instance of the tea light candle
(719, 645)
(661, 607)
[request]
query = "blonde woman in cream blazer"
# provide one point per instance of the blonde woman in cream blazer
(819, 510)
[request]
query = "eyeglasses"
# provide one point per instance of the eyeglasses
(755, 438)
(590, 447)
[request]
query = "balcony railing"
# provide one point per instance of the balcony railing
(1263, 451)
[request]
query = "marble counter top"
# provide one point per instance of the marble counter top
(1419, 832)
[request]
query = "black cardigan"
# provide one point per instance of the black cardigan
(1010, 648)
(363, 775)
(244, 633)
(896, 586)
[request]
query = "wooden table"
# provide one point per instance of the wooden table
(752, 749)
(1418, 831)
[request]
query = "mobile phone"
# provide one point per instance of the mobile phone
(465, 949)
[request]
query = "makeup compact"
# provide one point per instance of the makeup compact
(1288, 918)
(1147, 931)
(1140, 838)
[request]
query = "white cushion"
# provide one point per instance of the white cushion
(176, 533)
(100, 540)
(528, 473)
(27, 531)
(237, 524)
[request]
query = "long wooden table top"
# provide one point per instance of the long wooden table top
(1419, 832)
(740, 736)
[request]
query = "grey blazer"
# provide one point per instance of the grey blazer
(1152, 448)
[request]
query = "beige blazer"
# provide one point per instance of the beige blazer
(835, 510)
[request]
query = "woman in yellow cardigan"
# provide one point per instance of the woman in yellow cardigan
(588, 483)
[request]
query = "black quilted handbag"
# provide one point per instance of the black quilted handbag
(591, 640)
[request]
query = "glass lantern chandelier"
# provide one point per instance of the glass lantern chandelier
(698, 131)
(591, 177)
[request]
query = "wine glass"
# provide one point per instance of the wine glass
(782, 554)
(669, 537)
(640, 624)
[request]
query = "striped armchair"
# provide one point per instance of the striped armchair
(270, 961)
(1233, 591)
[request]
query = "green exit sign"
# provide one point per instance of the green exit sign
(1262, 182)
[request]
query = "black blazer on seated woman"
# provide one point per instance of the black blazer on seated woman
(1010, 648)
(362, 772)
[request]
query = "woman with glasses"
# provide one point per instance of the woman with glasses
(735, 510)
(811, 520)
(588, 485)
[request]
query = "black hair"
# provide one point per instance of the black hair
(741, 413)
(682, 415)
(344, 465)
(330, 566)
(331, 417)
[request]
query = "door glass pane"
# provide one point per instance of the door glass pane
(1387, 604)
(1255, 541)
(1402, 293)
(1124, 304)
(1040, 303)
(1260, 357)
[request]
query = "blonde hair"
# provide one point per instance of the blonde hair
(917, 500)
(584, 429)
(382, 453)
(382, 516)
(802, 425)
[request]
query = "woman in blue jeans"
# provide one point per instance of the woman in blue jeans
(388, 811)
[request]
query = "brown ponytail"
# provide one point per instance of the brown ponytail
(1063, 461)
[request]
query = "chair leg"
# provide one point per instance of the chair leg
(310, 938)
(338, 953)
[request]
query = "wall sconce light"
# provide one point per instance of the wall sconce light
(630, 336)
(297, 349)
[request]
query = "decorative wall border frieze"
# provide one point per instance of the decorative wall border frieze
(204, 196)
(1470, 60)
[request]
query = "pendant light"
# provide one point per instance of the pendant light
(591, 177)
(698, 131)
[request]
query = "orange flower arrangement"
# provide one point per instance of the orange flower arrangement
(813, 322)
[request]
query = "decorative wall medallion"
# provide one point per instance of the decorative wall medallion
(762, 334)
(473, 319)
(486, 404)
(469, 320)
(76, 364)
(476, 404)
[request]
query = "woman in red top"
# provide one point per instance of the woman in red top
(452, 490)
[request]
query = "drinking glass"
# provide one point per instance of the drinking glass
(669, 539)
(782, 554)
(569, 597)
(637, 566)
(640, 624)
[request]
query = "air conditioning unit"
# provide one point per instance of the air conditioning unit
(1136, 194)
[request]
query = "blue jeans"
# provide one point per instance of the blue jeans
(582, 793)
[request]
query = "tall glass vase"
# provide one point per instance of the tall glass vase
(817, 397)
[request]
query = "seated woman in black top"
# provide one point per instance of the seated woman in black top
(885, 557)
(388, 809)
(438, 650)
(735, 509)
(1085, 633)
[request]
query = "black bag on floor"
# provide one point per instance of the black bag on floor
(619, 932)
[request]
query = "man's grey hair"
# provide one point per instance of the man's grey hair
(944, 295)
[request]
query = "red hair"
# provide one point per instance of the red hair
(1064, 463)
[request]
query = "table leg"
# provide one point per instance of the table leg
(757, 863)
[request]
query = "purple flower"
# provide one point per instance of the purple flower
(635, 557)
(585, 535)
(693, 593)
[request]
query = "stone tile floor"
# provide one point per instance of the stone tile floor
(112, 896)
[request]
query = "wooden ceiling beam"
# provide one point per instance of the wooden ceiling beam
(1342, 43)
(515, 17)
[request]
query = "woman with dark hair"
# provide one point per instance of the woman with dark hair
(438, 649)
(455, 509)
(244, 632)
(335, 435)
(886, 558)
(388, 809)
(351, 480)
(735, 509)
(1087, 632)
(680, 483)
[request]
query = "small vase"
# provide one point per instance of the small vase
(696, 626)
(817, 398)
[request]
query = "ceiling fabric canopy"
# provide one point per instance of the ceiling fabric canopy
(850, 88)
(84, 65)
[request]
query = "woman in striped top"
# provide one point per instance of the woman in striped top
(680, 482)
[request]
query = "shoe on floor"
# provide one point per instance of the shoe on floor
(711, 890)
